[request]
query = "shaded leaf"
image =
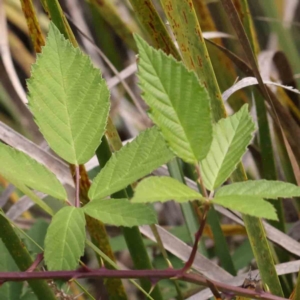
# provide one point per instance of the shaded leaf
(17, 166)
(179, 105)
(162, 189)
(65, 239)
(136, 159)
(120, 212)
(38, 233)
(249, 205)
(69, 99)
(270, 189)
(8, 290)
(230, 140)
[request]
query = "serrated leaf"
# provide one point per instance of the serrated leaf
(162, 189)
(230, 140)
(120, 212)
(17, 166)
(8, 290)
(65, 239)
(179, 105)
(136, 159)
(249, 205)
(69, 99)
(270, 189)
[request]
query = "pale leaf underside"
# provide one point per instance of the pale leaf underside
(249, 205)
(270, 189)
(135, 160)
(179, 105)
(69, 99)
(19, 167)
(120, 212)
(65, 239)
(162, 189)
(230, 140)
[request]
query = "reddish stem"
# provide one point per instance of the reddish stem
(77, 177)
(36, 262)
(152, 274)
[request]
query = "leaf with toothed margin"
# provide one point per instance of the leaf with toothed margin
(18, 167)
(250, 205)
(269, 189)
(65, 239)
(162, 189)
(120, 212)
(136, 159)
(68, 98)
(230, 140)
(178, 103)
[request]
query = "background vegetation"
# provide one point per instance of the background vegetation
(234, 47)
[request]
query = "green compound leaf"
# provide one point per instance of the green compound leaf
(162, 189)
(179, 105)
(135, 160)
(69, 99)
(269, 189)
(120, 212)
(65, 239)
(230, 140)
(249, 205)
(18, 167)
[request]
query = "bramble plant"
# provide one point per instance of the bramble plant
(70, 102)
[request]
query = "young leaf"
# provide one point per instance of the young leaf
(270, 189)
(120, 212)
(69, 99)
(249, 205)
(179, 105)
(17, 166)
(162, 189)
(65, 238)
(135, 160)
(230, 140)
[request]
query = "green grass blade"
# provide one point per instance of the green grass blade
(9, 290)
(22, 258)
(151, 21)
(187, 208)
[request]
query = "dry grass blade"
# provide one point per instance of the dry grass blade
(6, 194)
(281, 269)
(248, 81)
(7, 59)
(16, 140)
(23, 204)
(182, 251)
